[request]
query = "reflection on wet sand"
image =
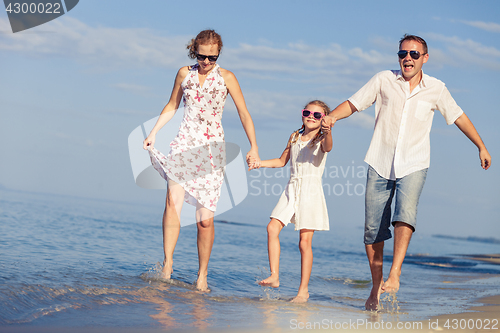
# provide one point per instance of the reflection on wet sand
(274, 311)
(200, 312)
(269, 311)
(164, 307)
(158, 293)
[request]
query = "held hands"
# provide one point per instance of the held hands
(327, 123)
(253, 159)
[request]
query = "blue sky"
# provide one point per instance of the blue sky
(73, 89)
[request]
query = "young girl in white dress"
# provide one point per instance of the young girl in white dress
(303, 201)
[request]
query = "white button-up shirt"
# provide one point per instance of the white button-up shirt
(401, 144)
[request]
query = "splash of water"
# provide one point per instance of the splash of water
(392, 304)
(268, 293)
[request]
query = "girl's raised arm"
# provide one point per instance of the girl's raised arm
(327, 141)
(234, 90)
(276, 162)
(169, 110)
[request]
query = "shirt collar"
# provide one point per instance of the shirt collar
(399, 76)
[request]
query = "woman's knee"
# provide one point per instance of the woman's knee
(208, 223)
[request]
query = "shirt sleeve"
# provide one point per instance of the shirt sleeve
(367, 95)
(448, 107)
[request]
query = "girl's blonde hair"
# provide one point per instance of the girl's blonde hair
(205, 37)
(319, 135)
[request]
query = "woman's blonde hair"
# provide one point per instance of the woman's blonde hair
(205, 37)
(319, 135)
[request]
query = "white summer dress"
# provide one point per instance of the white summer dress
(197, 157)
(303, 201)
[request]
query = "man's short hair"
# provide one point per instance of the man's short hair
(414, 38)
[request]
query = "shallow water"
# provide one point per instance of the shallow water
(77, 262)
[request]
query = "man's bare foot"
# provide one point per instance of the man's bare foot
(167, 270)
(201, 283)
(300, 298)
(272, 281)
(391, 285)
(372, 303)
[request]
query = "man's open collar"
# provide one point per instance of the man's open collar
(399, 76)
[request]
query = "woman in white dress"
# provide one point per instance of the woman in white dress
(303, 201)
(194, 168)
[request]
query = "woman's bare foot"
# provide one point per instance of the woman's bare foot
(272, 281)
(201, 283)
(300, 298)
(167, 270)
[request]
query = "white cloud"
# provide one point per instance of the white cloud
(465, 52)
(487, 26)
(362, 119)
(330, 68)
(101, 46)
(112, 47)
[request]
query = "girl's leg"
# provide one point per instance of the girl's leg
(205, 241)
(306, 261)
(171, 225)
(273, 247)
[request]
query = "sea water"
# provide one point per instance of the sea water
(72, 262)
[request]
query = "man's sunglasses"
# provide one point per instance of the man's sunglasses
(414, 54)
(202, 57)
(316, 115)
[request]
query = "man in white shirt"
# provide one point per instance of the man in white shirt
(399, 153)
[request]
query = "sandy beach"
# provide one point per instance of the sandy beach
(482, 316)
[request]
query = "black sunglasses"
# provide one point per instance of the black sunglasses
(316, 115)
(202, 57)
(414, 54)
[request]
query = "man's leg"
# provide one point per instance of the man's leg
(408, 190)
(375, 254)
(378, 198)
(402, 236)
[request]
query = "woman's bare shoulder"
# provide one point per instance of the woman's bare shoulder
(184, 70)
(226, 74)
(182, 73)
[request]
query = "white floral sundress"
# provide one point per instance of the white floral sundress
(197, 157)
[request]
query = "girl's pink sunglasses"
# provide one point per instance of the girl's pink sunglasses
(317, 115)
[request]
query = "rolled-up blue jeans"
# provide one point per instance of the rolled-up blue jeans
(378, 198)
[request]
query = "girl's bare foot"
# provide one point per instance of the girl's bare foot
(167, 270)
(272, 281)
(300, 298)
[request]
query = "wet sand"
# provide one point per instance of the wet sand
(482, 316)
